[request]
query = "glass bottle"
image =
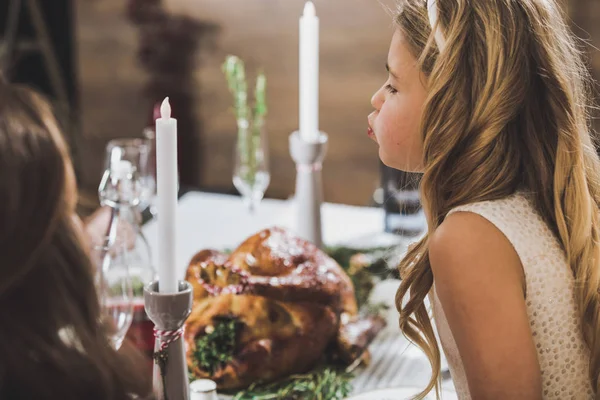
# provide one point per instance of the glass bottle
(124, 259)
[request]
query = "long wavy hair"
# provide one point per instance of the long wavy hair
(506, 110)
(52, 345)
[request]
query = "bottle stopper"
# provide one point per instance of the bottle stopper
(121, 169)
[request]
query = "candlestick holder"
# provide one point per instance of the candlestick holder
(308, 157)
(169, 311)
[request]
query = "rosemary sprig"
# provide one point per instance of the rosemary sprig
(260, 111)
(235, 73)
(363, 278)
(249, 124)
(324, 383)
(260, 97)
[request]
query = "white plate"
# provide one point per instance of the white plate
(403, 393)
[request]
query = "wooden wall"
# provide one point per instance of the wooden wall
(354, 40)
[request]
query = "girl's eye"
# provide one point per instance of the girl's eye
(390, 89)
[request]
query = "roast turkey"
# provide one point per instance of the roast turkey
(290, 304)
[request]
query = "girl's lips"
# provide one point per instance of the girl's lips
(370, 132)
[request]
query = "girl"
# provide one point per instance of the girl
(46, 279)
(487, 99)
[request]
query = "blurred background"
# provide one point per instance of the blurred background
(105, 63)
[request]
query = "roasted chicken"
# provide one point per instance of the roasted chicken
(288, 302)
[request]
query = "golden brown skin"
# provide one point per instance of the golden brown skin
(291, 306)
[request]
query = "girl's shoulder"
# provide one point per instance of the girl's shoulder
(516, 217)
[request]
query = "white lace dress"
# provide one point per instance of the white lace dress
(562, 353)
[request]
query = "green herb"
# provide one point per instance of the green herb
(376, 258)
(342, 255)
(235, 74)
(215, 349)
(363, 286)
(258, 122)
(324, 383)
(137, 286)
(260, 97)
(190, 375)
(362, 277)
(250, 127)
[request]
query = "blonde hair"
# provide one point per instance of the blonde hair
(507, 97)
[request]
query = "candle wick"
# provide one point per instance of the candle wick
(165, 109)
(309, 9)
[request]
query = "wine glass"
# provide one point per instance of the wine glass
(251, 175)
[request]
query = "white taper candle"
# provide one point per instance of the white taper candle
(309, 74)
(166, 191)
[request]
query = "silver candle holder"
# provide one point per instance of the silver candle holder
(308, 157)
(169, 311)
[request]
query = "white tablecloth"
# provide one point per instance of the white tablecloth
(218, 221)
(222, 221)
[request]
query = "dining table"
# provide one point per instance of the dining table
(222, 221)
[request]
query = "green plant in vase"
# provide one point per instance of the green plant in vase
(251, 171)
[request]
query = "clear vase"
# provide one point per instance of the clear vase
(251, 175)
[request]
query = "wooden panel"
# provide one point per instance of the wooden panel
(111, 82)
(354, 40)
(265, 34)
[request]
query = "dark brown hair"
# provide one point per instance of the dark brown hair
(46, 278)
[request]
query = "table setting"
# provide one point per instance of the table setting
(252, 298)
(394, 362)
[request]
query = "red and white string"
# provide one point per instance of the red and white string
(166, 337)
(239, 288)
